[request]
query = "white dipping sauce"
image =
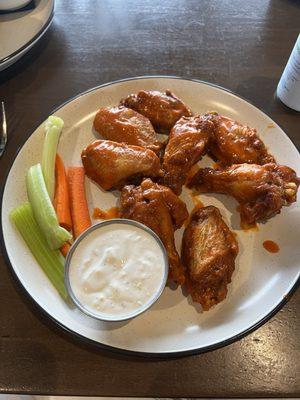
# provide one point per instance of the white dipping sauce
(116, 270)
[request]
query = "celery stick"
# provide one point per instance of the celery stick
(51, 261)
(53, 128)
(43, 210)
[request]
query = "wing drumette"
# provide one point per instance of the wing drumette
(261, 190)
(187, 144)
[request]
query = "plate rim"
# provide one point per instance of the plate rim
(92, 342)
(13, 60)
(32, 40)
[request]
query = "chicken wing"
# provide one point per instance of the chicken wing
(234, 143)
(187, 143)
(123, 125)
(209, 250)
(112, 164)
(162, 211)
(163, 109)
(261, 190)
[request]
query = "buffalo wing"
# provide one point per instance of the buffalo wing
(163, 109)
(112, 164)
(124, 125)
(261, 190)
(209, 250)
(187, 144)
(234, 143)
(162, 211)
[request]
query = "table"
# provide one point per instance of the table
(241, 45)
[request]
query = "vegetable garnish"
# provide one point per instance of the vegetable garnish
(65, 249)
(79, 208)
(43, 209)
(61, 198)
(51, 261)
(53, 128)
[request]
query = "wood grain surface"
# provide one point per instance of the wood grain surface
(241, 45)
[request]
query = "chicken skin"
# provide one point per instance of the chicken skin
(209, 250)
(124, 125)
(234, 143)
(261, 190)
(187, 144)
(162, 109)
(162, 211)
(112, 164)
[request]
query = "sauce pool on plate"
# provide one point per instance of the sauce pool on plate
(116, 270)
(112, 212)
(271, 246)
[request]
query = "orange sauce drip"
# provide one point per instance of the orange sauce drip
(270, 126)
(271, 246)
(216, 165)
(198, 203)
(249, 227)
(112, 212)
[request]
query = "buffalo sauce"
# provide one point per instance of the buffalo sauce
(197, 202)
(271, 246)
(249, 227)
(194, 169)
(216, 165)
(112, 212)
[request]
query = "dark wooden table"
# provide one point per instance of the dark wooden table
(241, 45)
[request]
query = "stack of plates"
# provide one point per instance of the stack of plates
(20, 30)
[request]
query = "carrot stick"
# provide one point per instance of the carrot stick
(61, 198)
(65, 249)
(79, 208)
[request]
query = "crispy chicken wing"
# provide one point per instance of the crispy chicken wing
(163, 109)
(234, 143)
(261, 190)
(187, 143)
(123, 125)
(112, 164)
(161, 210)
(209, 250)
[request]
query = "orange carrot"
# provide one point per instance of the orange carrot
(65, 249)
(61, 198)
(79, 208)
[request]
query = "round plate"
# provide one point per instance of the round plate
(261, 281)
(20, 30)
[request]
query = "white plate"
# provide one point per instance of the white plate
(261, 280)
(10, 5)
(19, 31)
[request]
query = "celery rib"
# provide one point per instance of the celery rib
(35, 242)
(43, 209)
(51, 261)
(53, 128)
